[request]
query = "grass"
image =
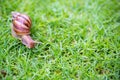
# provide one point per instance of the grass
(81, 40)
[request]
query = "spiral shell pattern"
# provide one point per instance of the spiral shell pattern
(21, 23)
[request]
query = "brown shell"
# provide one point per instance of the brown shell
(21, 23)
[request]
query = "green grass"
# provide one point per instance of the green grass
(81, 40)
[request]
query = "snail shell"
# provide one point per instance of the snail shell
(21, 25)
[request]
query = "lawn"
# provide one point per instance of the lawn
(80, 40)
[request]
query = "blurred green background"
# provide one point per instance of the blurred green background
(81, 40)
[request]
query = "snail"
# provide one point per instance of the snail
(21, 24)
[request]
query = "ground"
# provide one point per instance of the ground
(81, 40)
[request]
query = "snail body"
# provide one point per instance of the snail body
(21, 25)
